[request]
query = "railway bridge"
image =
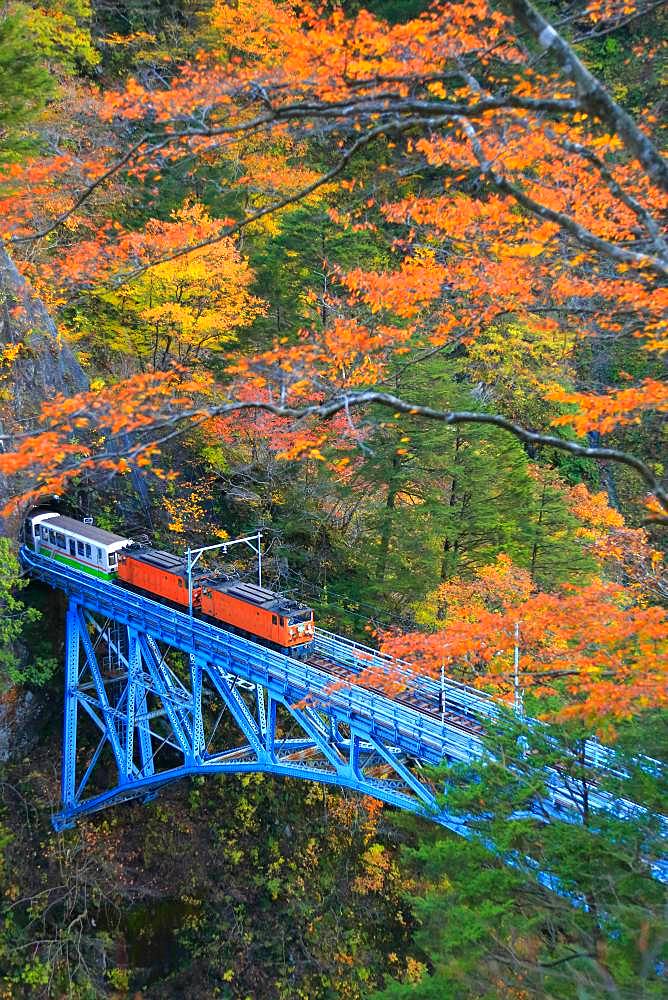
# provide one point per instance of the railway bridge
(153, 694)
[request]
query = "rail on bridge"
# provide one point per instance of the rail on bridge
(153, 695)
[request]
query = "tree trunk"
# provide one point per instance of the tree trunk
(451, 546)
(386, 532)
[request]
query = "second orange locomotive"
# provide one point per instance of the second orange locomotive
(245, 608)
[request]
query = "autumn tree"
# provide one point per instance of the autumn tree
(481, 240)
(595, 652)
(178, 312)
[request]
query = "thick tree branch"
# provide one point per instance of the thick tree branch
(642, 213)
(565, 222)
(88, 191)
(593, 94)
(182, 421)
(350, 110)
(614, 25)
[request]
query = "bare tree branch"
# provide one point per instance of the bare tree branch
(593, 94)
(354, 109)
(391, 128)
(566, 222)
(643, 214)
(184, 420)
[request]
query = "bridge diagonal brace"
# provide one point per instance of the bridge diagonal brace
(104, 634)
(319, 738)
(88, 707)
(398, 766)
(105, 707)
(239, 711)
(170, 680)
(91, 766)
(168, 693)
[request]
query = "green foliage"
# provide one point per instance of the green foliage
(442, 501)
(37, 46)
(60, 31)
(14, 615)
(301, 257)
(25, 84)
(491, 929)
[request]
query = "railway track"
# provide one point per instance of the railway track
(418, 700)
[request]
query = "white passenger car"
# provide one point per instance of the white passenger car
(83, 546)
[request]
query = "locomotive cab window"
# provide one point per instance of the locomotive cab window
(282, 620)
(274, 620)
(52, 536)
(302, 616)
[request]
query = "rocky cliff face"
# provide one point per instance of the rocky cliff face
(46, 365)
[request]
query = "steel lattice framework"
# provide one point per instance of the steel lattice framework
(152, 694)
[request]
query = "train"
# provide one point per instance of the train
(249, 610)
(256, 613)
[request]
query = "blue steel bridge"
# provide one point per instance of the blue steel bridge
(150, 693)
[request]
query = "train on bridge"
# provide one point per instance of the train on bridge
(325, 709)
(223, 599)
(245, 609)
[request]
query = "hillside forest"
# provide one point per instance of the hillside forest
(386, 281)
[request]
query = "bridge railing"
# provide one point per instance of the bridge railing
(264, 666)
(458, 695)
(359, 657)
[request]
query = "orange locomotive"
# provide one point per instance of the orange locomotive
(244, 608)
(259, 614)
(160, 573)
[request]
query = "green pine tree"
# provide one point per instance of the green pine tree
(490, 929)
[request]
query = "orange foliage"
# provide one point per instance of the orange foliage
(86, 432)
(600, 653)
(610, 410)
(470, 253)
(625, 554)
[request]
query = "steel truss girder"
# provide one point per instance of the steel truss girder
(116, 698)
(145, 710)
